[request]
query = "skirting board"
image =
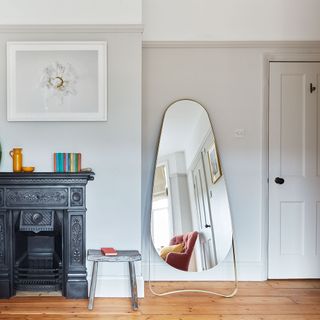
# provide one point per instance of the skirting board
(116, 287)
(247, 271)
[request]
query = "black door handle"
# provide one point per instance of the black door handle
(207, 226)
(279, 180)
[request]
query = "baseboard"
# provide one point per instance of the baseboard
(117, 287)
(247, 271)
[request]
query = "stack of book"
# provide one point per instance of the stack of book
(67, 162)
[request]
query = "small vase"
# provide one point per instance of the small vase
(16, 155)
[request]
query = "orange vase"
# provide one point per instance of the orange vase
(16, 155)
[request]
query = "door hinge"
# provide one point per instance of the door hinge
(312, 88)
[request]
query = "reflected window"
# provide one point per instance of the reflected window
(160, 209)
(161, 224)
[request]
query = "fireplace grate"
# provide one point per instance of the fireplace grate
(38, 273)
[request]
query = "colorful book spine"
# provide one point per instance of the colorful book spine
(55, 162)
(67, 162)
(64, 162)
(60, 162)
(79, 162)
(72, 162)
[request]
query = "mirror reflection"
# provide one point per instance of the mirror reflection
(190, 223)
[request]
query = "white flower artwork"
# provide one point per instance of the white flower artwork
(58, 81)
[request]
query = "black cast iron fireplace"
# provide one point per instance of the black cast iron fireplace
(42, 233)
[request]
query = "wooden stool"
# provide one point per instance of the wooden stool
(129, 256)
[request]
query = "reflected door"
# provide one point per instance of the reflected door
(294, 171)
(207, 250)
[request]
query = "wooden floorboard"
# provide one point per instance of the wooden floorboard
(270, 300)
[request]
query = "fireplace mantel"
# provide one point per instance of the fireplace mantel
(34, 195)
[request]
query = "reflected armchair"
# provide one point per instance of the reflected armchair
(181, 260)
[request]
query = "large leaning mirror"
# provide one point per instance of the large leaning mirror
(191, 225)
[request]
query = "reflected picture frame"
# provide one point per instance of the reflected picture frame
(57, 81)
(214, 163)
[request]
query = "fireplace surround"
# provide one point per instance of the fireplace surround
(42, 233)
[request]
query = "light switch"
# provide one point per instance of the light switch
(239, 133)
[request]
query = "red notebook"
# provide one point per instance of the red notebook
(109, 251)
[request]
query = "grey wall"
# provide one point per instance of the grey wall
(231, 81)
(228, 82)
(112, 149)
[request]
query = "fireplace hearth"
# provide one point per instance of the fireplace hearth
(42, 233)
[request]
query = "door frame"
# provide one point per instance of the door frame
(267, 59)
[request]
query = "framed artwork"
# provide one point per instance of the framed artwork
(214, 163)
(57, 81)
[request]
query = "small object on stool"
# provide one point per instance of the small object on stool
(109, 252)
(129, 256)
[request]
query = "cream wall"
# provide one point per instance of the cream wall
(231, 20)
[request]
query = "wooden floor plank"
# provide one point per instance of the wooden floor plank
(270, 300)
(161, 317)
(294, 284)
(306, 300)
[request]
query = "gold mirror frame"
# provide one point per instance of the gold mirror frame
(160, 294)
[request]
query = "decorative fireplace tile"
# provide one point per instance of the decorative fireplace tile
(76, 239)
(76, 197)
(37, 220)
(1, 197)
(37, 197)
(2, 240)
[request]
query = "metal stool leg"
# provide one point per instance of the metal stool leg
(133, 285)
(93, 284)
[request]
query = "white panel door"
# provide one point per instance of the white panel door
(206, 239)
(294, 156)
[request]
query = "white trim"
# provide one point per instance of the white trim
(266, 59)
(233, 44)
(117, 286)
(72, 28)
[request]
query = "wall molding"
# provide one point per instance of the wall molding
(233, 44)
(72, 28)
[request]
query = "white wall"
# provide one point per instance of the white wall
(179, 19)
(112, 149)
(231, 20)
(228, 82)
(70, 12)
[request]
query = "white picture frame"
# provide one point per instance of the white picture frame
(57, 81)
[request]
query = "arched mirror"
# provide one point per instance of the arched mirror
(191, 225)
